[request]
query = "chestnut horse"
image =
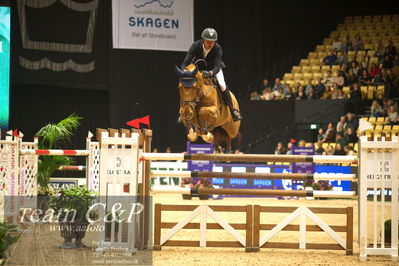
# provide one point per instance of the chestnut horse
(202, 111)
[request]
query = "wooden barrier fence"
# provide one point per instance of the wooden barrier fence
(253, 241)
(203, 211)
(302, 228)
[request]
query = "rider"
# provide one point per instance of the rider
(208, 49)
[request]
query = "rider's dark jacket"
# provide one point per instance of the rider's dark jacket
(213, 60)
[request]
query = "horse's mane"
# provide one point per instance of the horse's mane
(200, 79)
(190, 67)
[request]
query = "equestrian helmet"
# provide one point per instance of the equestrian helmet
(209, 34)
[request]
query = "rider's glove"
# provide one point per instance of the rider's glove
(207, 74)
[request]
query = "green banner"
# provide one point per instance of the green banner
(4, 65)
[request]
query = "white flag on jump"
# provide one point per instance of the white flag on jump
(364, 125)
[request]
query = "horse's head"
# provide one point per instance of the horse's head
(189, 88)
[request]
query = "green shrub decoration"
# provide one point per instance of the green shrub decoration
(74, 198)
(6, 239)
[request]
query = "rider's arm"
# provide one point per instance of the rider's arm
(218, 61)
(189, 57)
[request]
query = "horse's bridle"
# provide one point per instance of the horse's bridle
(198, 97)
(194, 102)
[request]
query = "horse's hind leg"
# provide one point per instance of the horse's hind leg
(228, 146)
(217, 144)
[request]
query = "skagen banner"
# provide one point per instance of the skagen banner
(153, 24)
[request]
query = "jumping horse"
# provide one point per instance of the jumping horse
(202, 111)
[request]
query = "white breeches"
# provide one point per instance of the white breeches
(220, 78)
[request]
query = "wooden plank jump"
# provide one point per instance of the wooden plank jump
(290, 176)
(256, 192)
(249, 157)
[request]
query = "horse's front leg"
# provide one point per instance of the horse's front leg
(208, 138)
(206, 135)
(192, 134)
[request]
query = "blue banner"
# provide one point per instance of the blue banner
(304, 168)
(200, 165)
(282, 184)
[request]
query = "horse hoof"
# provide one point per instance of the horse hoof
(208, 137)
(191, 139)
(192, 136)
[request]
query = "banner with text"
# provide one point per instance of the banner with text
(153, 24)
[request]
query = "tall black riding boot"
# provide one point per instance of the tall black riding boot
(234, 112)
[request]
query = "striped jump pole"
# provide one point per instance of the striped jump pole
(294, 176)
(256, 192)
(249, 157)
(55, 152)
(72, 168)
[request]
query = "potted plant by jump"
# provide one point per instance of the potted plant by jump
(201, 182)
(204, 182)
(53, 136)
(6, 240)
(71, 206)
(322, 185)
(187, 182)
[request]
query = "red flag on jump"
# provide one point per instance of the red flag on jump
(145, 120)
(136, 122)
